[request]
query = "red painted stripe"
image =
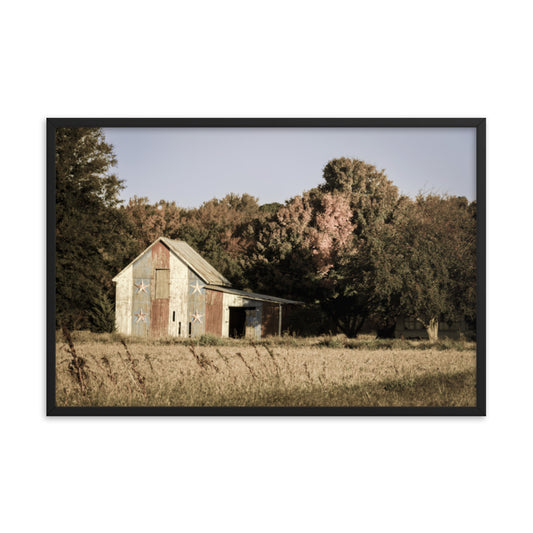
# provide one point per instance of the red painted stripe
(160, 306)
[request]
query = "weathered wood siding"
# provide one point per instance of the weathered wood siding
(213, 312)
(141, 299)
(196, 305)
(159, 306)
(253, 319)
(178, 319)
(270, 322)
(124, 296)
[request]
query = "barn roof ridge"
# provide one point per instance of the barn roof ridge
(196, 262)
(191, 258)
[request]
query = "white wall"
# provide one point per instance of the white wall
(179, 288)
(234, 300)
(171, 59)
(124, 297)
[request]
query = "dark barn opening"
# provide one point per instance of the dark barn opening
(237, 322)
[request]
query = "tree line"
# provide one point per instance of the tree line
(352, 248)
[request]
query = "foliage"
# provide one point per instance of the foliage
(92, 239)
(437, 241)
(303, 242)
(324, 246)
(102, 314)
(149, 222)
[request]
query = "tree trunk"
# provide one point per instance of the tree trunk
(351, 326)
(432, 329)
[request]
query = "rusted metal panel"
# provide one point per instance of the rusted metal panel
(159, 323)
(160, 290)
(160, 256)
(213, 312)
(270, 319)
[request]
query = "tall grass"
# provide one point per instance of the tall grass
(364, 342)
(302, 372)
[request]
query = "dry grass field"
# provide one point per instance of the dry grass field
(101, 370)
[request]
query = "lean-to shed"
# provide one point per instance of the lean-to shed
(171, 290)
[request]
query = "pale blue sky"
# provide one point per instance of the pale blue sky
(193, 165)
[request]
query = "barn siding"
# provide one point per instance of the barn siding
(196, 305)
(159, 306)
(142, 272)
(270, 325)
(213, 312)
(253, 319)
(159, 322)
(160, 256)
(178, 302)
(123, 320)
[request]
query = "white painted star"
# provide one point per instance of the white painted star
(140, 316)
(141, 287)
(197, 317)
(196, 287)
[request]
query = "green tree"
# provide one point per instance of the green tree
(92, 242)
(102, 314)
(437, 241)
(365, 281)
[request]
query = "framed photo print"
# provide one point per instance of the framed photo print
(266, 266)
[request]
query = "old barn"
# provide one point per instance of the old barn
(171, 290)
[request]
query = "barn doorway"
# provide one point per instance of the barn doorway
(237, 322)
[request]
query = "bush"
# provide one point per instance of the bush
(209, 340)
(102, 314)
(332, 342)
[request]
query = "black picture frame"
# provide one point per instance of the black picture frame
(478, 123)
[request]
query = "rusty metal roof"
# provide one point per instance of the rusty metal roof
(254, 295)
(196, 262)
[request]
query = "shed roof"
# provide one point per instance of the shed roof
(191, 258)
(254, 295)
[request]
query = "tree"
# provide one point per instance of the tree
(373, 197)
(91, 238)
(148, 222)
(437, 241)
(365, 280)
(102, 314)
(324, 246)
